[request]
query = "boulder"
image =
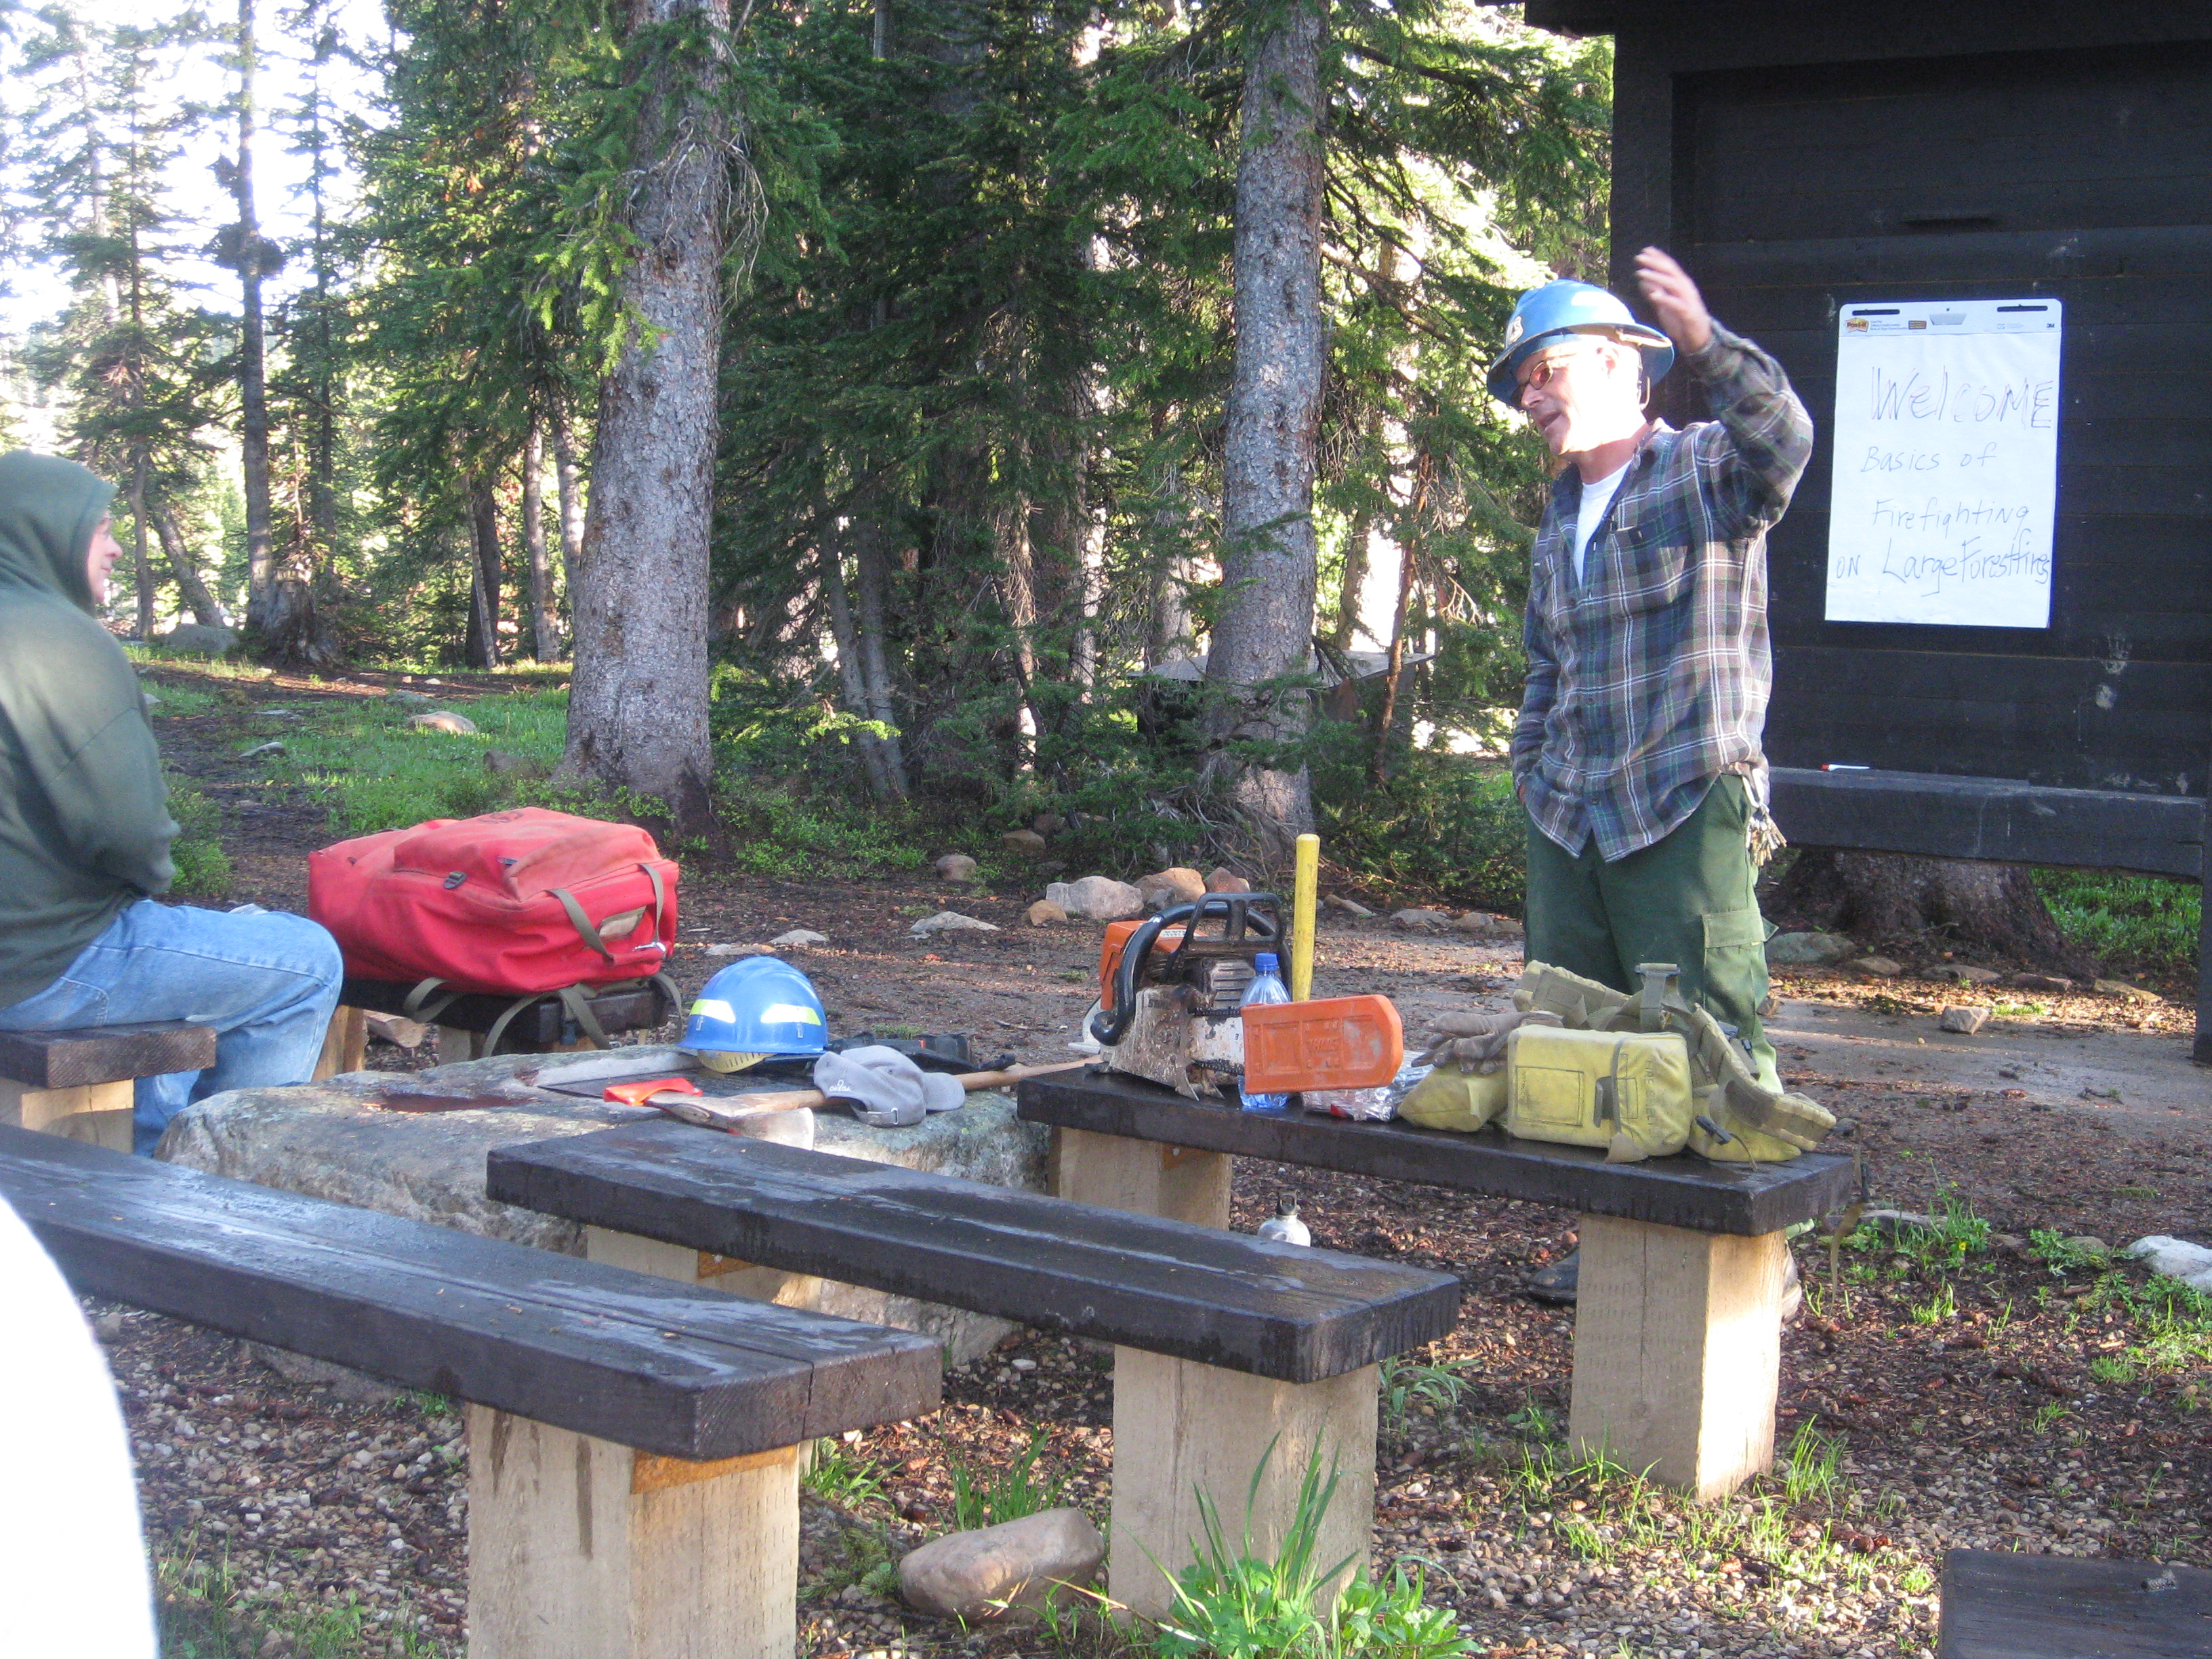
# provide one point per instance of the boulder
(1099, 898)
(199, 639)
(444, 719)
(1966, 1019)
(1006, 1573)
(1880, 967)
(1420, 921)
(1174, 885)
(408, 699)
(1024, 843)
(328, 1140)
(1045, 913)
(1049, 824)
(1226, 880)
(1345, 907)
(1486, 924)
(2040, 983)
(950, 921)
(1808, 950)
(799, 939)
(956, 867)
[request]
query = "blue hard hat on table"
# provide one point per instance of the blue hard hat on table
(751, 1009)
(1546, 314)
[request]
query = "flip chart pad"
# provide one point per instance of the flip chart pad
(1946, 462)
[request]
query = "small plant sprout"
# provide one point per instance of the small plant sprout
(1809, 1474)
(1018, 1490)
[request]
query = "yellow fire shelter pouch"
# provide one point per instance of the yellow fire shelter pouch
(1629, 1092)
(1448, 1098)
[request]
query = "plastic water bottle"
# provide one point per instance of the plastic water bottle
(1266, 986)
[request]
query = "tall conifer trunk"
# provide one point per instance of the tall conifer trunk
(482, 648)
(253, 378)
(204, 608)
(569, 486)
(637, 708)
(544, 621)
(1265, 627)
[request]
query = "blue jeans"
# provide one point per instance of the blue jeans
(267, 982)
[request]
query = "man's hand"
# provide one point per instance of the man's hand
(1675, 297)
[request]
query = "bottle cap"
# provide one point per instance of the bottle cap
(1268, 962)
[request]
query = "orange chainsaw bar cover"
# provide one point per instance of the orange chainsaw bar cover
(1343, 1043)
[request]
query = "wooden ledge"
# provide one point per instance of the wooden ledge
(105, 1053)
(1674, 1192)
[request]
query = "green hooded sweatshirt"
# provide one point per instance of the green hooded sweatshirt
(84, 824)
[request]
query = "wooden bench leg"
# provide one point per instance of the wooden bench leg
(1678, 1352)
(580, 1548)
(345, 1043)
(98, 1113)
(1177, 1183)
(451, 1045)
(1182, 1428)
(724, 1272)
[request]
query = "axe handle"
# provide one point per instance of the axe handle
(694, 1109)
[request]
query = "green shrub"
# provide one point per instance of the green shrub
(2143, 924)
(1446, 824)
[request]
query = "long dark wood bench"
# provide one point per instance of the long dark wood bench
(1223, 1342)
(462, 1026)
(1998, 1604)
(634, 1443)
(1678, 1323)
(77, 1082)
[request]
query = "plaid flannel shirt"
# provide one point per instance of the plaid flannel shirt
(1650, 678)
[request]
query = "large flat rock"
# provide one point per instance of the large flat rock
(333, 1140)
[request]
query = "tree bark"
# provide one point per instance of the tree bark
(1265, 628)
(142, 566)
(637, 708)
(570, 489)
(202, 603)
(1885, 898)
(544, 618)
(482, 648)
(252, 376)
(872, 578)
(850, 674)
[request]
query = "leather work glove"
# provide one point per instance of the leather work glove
(1475, 1044)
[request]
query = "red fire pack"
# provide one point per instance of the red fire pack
(510, 902)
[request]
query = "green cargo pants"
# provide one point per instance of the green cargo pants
(1688, 898)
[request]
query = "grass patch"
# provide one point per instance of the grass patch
(1019, 1489)
(2144, 923)
(203, 870)
(203, 1611)
(837, 1476)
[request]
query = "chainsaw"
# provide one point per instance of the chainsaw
(1168, 995)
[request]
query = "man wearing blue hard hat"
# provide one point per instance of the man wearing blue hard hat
(1638, 754)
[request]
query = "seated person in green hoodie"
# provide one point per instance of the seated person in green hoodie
(85, 831)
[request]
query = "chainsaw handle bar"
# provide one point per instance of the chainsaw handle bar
(1109, 1025)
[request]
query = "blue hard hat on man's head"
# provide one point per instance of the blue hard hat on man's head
(1547, 314)
(751, 1009)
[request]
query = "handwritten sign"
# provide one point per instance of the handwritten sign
(1946, 463)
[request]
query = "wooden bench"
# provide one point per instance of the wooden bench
(77, 1082)
(1223, 1343)
(462, 1025)
(1998, 1604)
(1678, 1329)
(633, 1444)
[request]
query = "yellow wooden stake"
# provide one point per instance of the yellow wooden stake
(1304, 900)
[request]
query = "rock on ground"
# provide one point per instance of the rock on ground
(1026, 843)
(1808, 950)
(956, 867)
(1006, 1572)
(1484, 924)
(1223, 879)
(1174, 885)
(443, 719)
(1345, 907)
(199, 637)
(1965, 1019)
(1420, 921)
(407, 699)
(1099, 898)
(2120, 988)
(328, 1140)
(799, 939)
(951, 922)
(1965, 973)
(1044, 914)
(1881, 966)
(1048, 823)
(728, 948)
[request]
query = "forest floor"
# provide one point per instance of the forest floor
(1977, 1382)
